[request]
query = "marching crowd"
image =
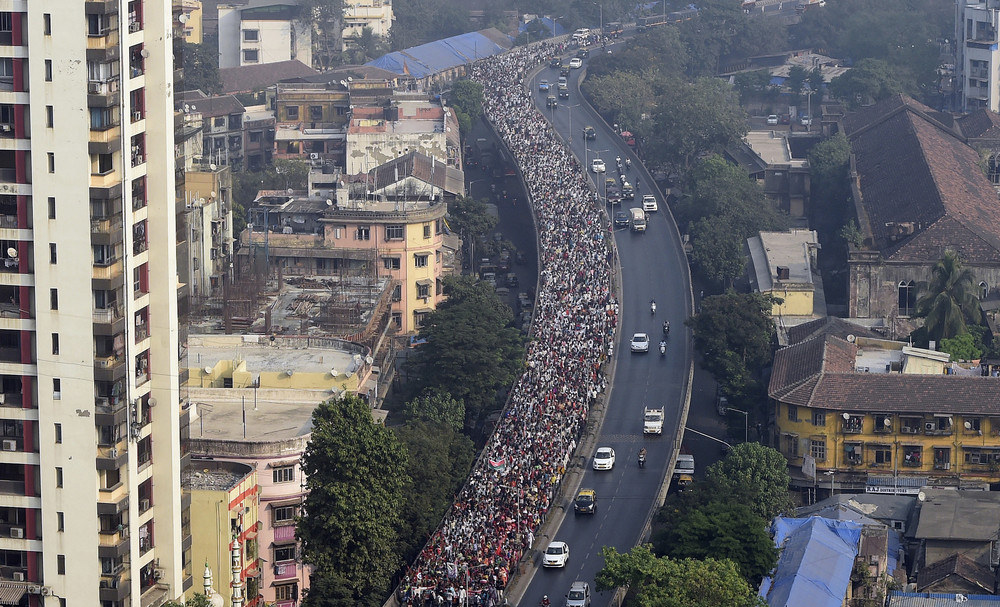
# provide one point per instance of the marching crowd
(497, 513)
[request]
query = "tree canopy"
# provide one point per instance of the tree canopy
(201, 66)
(867, 82)
(948, 299)
(355, 474)
(667, 582)
(692, 118)
(755, 475)
(472, 350)
(466, 98)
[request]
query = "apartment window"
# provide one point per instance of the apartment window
(338, 232)
(912, 455)
(105, 164)
(53, 257)
(793, 413)
(49, 116)
(52, 207)
(48, 70)
(316, 113)
(292, 112)
(251, 35)
(7, 74)
(53, 299)
(61, 564)
(284, 553)
(47, 24)
(907, 298)
(792, 444)
(55, 344)
(883, 455)
(59, 477)
(251, 55)
(58, 432)
(973, 425)
(819, 418)
(420, 261)
(427, 230)
(397, 319)
(102, 118)
(397, 293)
(390, 263)
(60, 521)
(283, 514)
(817, 448)
(423, 290)
(286, 592)
(56, 388)
(52, 161)
(363, 233)
(284, 474)
(254, 136)
(394, 233)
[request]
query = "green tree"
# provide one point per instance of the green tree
(727, 528)
(734, 333)
(867, 82)
(717, 250)
(201, 66)
(324, 18)
(466, 99)
(356, 472)
(439, 458)
(755, 475)
(284, 174)
(797, 76)
(961, 347)
(470, 217)
(472, 348)
(624, 95)
(949, 299)
(197, 600)
(666, 582)
(694, 118)
(436, 407)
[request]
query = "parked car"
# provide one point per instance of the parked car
(604, 458)
(772, 119)
(806, 120)
(585, 502)
(556, 555)
(597, 166)
(575, 62)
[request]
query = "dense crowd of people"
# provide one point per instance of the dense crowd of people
(496, 515)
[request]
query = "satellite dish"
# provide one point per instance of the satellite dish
(213, 167)
(193, 107)
(968, 425)
(212, 195)
(343, 83)
(208, 370)
(289, 190)
(334, 372)
(145, 53)
(887, 422)
(12, 252)
(851, 338)
(151, 402)
(183, 18)
(846, 415)
(350, 79)
(289, 372)
(921, 496)
(187, 108)
(329, 202)
(369, 360)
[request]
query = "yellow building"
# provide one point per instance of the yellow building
(781, 264)
(189, 14)
(224, 505)
(872, 415)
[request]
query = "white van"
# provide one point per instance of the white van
(638, 219)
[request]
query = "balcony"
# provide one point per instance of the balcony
(103, 93)
(106, 230)
(285, 571)
(14, 574)
(101, 7)
(11, 399)
(110, 411)
(852, 426)
(284, 533)
(11, 443)
(108, 270)
(113, 544)
(12, 487)
(109, 368)
(105, 140)
(103, 45)
(113, 500)
(112, 458)
(115, 587)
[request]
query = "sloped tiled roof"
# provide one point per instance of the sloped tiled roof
(956, 565)
(981, 123)
(828, 325)
(248, 78)
(222, 105)
(418, 166)
(820, 373)
(912, 169)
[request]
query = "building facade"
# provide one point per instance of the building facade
(865, 414)
(90, 467)
(263, 33)
(977, 61)
(375, 15)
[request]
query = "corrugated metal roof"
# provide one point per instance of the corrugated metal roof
(925, 599)
(438, 56)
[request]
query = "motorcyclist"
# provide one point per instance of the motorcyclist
(628, 163)
(652, 306)
(663, 347)
(545, 601)
(642, 457)
(666, 327)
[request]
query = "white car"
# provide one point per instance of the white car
(597, 166)
(649, 203)
(575, 62)
(639, 343)
(556, 555)
(604, 458)
(772, 119)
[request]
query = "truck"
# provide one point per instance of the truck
(613, 29)
(638, 221)
(652, 421)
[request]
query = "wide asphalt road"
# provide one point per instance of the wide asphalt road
(653, 266)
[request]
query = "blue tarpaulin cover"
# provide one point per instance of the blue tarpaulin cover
(814, 568)
(438, 56)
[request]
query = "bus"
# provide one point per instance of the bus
(684, 15)
(651, 21)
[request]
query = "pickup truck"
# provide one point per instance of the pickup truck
(652, 421)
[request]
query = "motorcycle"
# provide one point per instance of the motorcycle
(666, 327)
(652, 307)
(663, 348)
(642, 459)
(628, 163)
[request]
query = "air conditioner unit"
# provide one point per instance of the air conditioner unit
(17, 532)
(114, 453)
(136, 116)
(134, 27)
(157, 574)
(946, 466)
(34, 589)
(144, 504)
(6, 128)
(929, 426)
(10, 445)
(94, 87)
(313, 156)
(18, 576)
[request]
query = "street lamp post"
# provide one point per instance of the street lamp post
(600, 6)
(745, 423)
(833, 476)
(598, 175)
(569, 108)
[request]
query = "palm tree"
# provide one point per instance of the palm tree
(949, 299)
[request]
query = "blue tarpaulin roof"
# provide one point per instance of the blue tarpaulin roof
(438, 56)
(817, 556)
